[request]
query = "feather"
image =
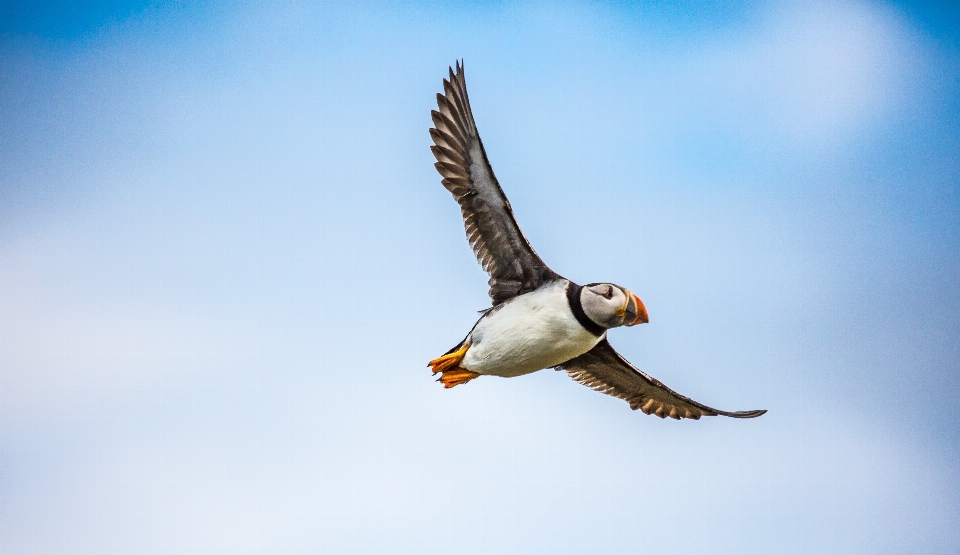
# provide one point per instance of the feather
(604, 370)
(499, 245)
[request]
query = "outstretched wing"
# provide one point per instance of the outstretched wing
(493, 232)
(604, 370)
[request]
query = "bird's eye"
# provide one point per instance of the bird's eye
(609, 293)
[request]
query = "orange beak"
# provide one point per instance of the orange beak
(635, 306)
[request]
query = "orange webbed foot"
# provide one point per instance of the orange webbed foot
(456, 376)
(447, 365)
(448, 361)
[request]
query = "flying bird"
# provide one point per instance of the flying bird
(539, 319)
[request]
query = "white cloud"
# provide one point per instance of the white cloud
(806, 74)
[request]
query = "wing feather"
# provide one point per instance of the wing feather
(604, 370)
(491, 229)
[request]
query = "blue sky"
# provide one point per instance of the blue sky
(225, 259)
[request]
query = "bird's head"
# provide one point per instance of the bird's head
(612, 306)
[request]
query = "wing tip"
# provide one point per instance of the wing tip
(651, 408)
(745, 413)
(458, 66)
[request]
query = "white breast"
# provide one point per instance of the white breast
(533, 331)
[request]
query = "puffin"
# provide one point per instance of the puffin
(538, 319)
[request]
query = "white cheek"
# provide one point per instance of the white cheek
(599, 309)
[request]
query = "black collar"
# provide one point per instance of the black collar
(573, 299)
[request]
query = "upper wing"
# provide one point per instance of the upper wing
(604, 370)
(493, 233)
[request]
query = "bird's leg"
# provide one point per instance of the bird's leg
(451, 375)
